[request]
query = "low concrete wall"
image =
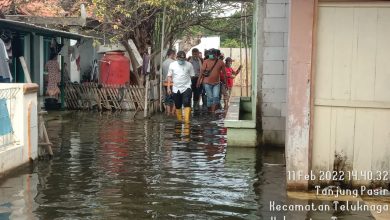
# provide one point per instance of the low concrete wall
(24, 119)
(240, 131)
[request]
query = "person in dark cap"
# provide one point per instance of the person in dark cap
(180, 73)
(210, 78)
(230, 75)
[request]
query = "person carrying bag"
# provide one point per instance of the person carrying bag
(210, 78)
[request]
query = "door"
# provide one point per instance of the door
(352, 88)
(17, 50)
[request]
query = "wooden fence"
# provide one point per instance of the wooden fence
(90, 96)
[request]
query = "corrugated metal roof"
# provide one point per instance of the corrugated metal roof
(31, 28)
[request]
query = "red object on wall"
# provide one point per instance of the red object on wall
(115, 68)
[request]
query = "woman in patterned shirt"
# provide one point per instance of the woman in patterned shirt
(53, 69)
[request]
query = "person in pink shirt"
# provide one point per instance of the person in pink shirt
(230, 75)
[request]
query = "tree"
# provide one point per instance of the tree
(230, 43)
(140, 20)
(228, 28)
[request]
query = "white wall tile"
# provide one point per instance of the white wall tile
(273, 67)
(274, 39)
(278, 1)
(274, 137)
(276, 10)
(274, 81)
(285, 39)
(275, 25)
(275, 53)
(284, 109)
(274, 95)
(271, 109)
(274, 123)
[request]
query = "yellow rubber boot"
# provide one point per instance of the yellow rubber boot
(179, 115)
(186, 132)
(187, 114)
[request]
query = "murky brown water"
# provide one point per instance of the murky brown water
(109, 166)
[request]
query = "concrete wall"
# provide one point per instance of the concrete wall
(274, 75)
(24, 119)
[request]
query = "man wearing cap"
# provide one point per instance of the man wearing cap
(180, 73)
(210, 77)
(230, 75)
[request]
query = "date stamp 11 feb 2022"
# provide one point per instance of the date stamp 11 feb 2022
(333, 193)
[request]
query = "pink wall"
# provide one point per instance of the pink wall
(300, 59)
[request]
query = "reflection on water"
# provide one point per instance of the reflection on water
(108, 166)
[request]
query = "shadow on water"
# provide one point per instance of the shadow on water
(108, 166)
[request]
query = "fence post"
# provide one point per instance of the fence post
(146, 96)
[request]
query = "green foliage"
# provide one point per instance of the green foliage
(228, 28)
(140, 20)
(230, 43)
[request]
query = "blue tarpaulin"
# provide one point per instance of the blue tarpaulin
(5, 121)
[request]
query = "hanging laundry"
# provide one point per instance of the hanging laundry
(75, 51)
(146, 64)
(6, 36)
(5, 73)
(95, 72)
(8, 47)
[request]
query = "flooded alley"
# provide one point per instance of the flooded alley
(109, 166)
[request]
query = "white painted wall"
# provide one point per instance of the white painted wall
(25, 130)
(207, 43)
(274, 77)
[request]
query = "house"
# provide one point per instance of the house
(33, 43)
(18, 101)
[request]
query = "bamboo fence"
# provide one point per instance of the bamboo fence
(102, 97)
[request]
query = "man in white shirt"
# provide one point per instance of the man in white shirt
(180, 73)
(168, 100)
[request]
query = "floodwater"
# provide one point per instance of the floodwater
(110, 166)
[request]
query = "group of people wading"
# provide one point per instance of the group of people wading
(187, 80)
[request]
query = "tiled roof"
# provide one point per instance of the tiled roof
(5, 5)
(47, 8)
(42, 8)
